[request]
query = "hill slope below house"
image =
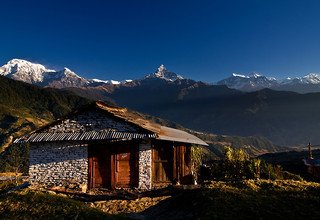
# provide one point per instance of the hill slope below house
(248, 199)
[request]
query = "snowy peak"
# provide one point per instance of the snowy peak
(24, 71)
(38, 74)
(256, 81)
(68, 73)
(252, 82)
(163, 73)
(310, 79)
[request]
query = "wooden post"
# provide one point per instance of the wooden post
(310, 152)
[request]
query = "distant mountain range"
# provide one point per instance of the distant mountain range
(255, 82)
(38, 74)
(286, 118)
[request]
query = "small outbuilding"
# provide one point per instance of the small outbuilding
(101, 146)
(313, 164)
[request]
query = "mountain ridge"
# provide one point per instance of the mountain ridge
(38, 74)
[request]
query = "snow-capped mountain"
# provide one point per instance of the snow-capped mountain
(164, 74)
(252, 82)
(311, 78)
(25, 71)
(38, 74)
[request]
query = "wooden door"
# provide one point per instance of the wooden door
(99, 167)
(126, 163)
(162, 163)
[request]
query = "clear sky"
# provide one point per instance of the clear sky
(203, 40)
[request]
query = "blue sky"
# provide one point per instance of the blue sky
(203, 40)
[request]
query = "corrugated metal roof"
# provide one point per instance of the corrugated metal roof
(171, 134)
(84, 136)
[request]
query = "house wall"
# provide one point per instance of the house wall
(145, 159)
(58, 164)
(62, 164)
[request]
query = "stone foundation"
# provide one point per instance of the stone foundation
(58, 164)
(145, 157)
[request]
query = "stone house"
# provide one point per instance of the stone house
(100, 146)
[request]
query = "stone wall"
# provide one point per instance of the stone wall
(92, 121)
(58, 164)
(145, 159)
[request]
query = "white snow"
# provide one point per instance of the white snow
(239, 75)
(100, 81)
(114, 82)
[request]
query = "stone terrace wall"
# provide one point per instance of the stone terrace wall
(145, 159)
(92, 121)
(58, 164)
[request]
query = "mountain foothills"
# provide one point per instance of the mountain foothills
(227, 108)
(24, 107)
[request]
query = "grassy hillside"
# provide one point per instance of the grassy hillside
(254, 146)
(24, 107)
(39, 205)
